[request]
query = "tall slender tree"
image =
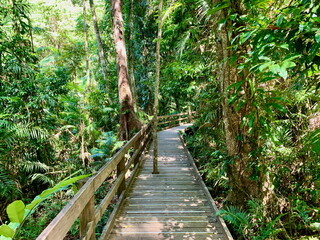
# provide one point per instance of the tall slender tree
(128, 119)
(101, 53)
(156, 92)
(86, 44)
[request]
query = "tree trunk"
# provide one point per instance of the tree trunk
(131, 56)
(237, 137)
(128, 120)
(156, 91)
(101, 53)
(86, 44)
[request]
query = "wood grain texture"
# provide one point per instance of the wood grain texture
(169, 205)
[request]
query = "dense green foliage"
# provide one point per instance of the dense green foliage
(55, 120)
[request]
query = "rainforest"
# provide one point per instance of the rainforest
(80, 80)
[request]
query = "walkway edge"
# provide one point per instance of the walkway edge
(211, 201)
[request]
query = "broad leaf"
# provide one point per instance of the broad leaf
(6, 231)
(47, 193)
(264, 65)
(288, 64)
(16, 211)
(275, 68)
(283, 72)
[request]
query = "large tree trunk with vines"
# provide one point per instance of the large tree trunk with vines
(131, 56)
(246, 181)
(128, 119)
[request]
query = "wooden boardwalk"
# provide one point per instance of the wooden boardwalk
(174, 204)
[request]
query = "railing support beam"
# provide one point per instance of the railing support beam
(87, 217)
(120, 169)
(155, 146)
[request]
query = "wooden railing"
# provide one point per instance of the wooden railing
(82, 205)
(169, 121)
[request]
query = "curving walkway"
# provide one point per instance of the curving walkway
(174, 204)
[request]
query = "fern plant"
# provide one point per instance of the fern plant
(252, 224)
(238, 218)
(8, 187)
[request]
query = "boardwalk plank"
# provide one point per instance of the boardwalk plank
(169, 205)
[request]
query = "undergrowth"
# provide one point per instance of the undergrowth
(296, 190)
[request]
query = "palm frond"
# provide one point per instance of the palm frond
(202, 11)
(182, 42)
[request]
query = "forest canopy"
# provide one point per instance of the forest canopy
(77, 80)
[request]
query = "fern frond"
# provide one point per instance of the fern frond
(32, 167)
(8, 187)
(235, 216)
(203, 8)
(27, 131)
(39, 177)
(182, 43)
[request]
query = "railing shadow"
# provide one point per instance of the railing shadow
(82, 205)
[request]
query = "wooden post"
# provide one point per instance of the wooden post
(87, 216)
(120, 168)
(155, 146)
(137, 145)
(189, 114)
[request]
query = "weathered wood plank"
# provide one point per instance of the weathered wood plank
(164, 224)
(167, 236)
(169, 205)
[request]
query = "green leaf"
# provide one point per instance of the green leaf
(275, 68)
(266, 79)
(240, 105)
(6, 231)
(314, 141)
(14, 225)
(16, 211)
(279, 20)
(288, 64)
(219, 7)
(37, 200)
(5, 238)
(317, 36)
(278, 106)
(75, 189)
(283, 73)
(246, 35)
(315, 226)
(284, 45)
(265, 58)
(47, 193)
(251, 122)
(236, 85)
(264, 65)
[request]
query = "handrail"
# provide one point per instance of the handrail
(82, 204)
(169, 121)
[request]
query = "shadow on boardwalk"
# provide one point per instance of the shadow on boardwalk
(171, 205)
